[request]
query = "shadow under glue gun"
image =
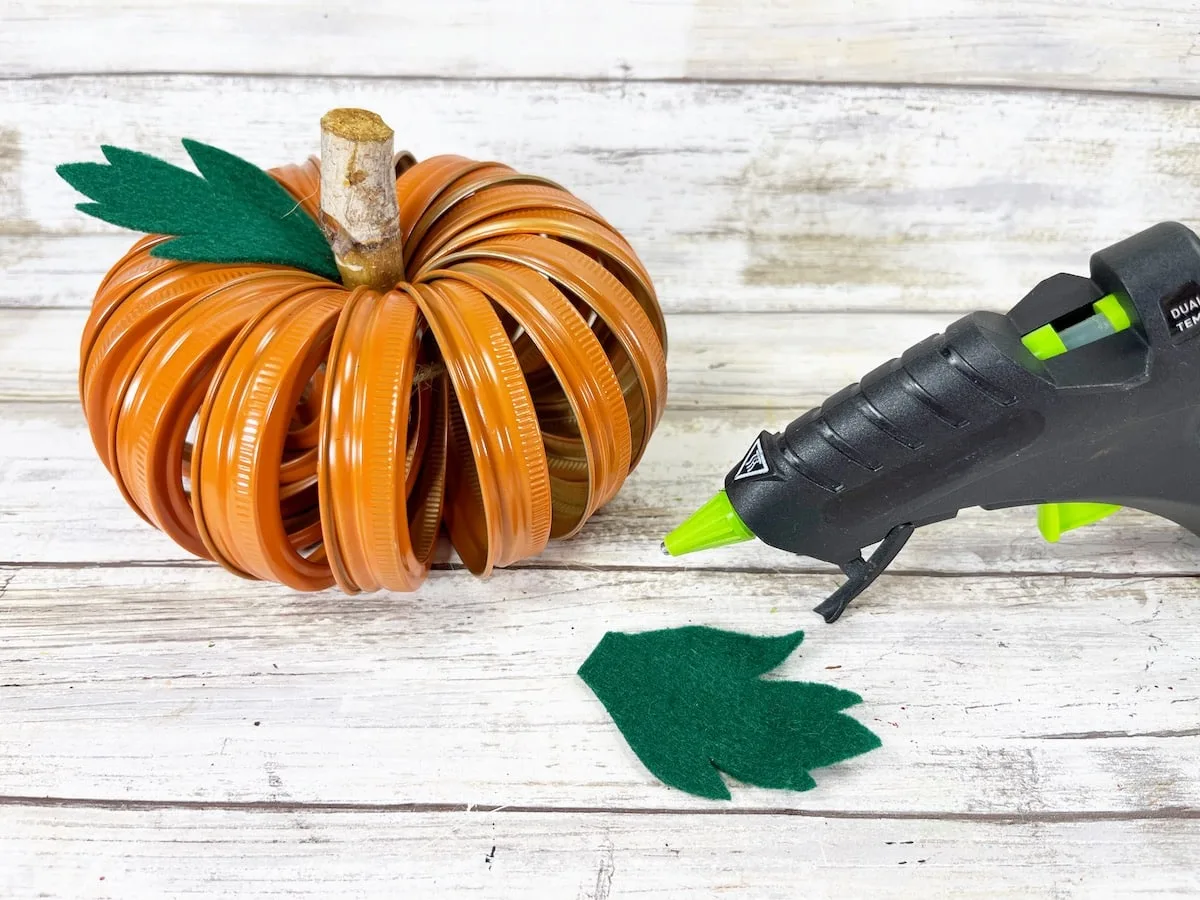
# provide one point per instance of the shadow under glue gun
(1083, 398)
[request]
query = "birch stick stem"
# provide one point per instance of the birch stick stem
(359, 212)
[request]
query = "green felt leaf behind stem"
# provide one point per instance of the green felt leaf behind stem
(691, 703)
(232, 212)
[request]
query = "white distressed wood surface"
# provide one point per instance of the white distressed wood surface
(998, 694)
(1139, 45)
(786, 361)
(1039, 705)
(49, 472)
(166, 852)
(739, 197)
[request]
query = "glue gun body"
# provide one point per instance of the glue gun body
(1086, 392)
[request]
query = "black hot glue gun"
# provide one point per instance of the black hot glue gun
(1082, 398)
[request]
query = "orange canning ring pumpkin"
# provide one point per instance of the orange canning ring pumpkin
(295, 430)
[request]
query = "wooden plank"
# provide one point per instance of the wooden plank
(737, 360)
(70, 853)
(55, 490)
(1041, 43)
(1005, 696)
(740, 197)
(56, 271)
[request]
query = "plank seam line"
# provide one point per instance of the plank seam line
(1114, 735)
(955, 86)
(1166, 813)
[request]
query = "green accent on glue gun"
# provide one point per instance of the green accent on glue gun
(1109, 317)
(1055, 518)
(1113, 310)
(1046, 343)
(715, 524)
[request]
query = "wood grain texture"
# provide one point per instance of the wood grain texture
(170, 730)
(1138, 45)
(69, 853)
(1004, 696)
(49, 472)
(739, 197)
(735, 361)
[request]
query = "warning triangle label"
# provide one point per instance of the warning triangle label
(755, 463)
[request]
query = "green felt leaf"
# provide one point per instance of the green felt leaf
(691, 703)
(231, 212)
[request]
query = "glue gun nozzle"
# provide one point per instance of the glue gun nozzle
(715, 524)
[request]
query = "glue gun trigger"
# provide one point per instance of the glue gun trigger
(861, 572)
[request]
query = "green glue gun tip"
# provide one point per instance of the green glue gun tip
(715, 524)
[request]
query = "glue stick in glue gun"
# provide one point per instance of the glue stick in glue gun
(1083, 398)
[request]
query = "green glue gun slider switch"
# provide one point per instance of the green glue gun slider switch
(1083, 398)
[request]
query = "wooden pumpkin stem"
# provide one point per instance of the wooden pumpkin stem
(359, 212)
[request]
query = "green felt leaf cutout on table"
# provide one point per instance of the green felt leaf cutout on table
(231, 212)
(691, 702)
